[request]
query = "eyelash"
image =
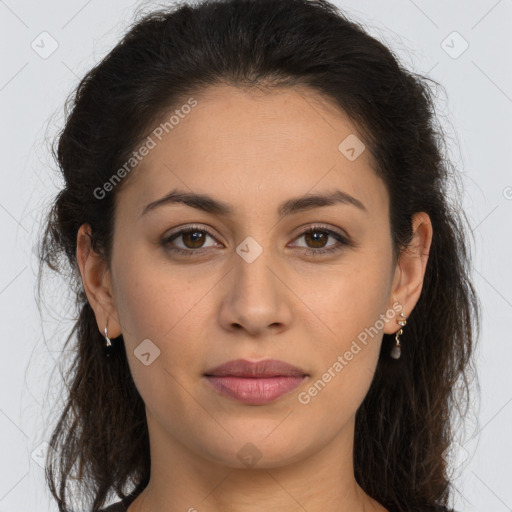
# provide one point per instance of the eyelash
(344, 241)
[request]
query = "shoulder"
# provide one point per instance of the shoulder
(120, 506)
(427, 508)
(116, 507)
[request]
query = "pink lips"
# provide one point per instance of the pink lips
(255, 383)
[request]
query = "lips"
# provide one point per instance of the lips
(255, 383)
(259, 369)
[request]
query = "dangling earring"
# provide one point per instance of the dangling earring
(108, 344)
(396, 351)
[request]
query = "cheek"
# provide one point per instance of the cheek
(166, 306)
(347, 332)
(161, 310)
(344, 300)
(347, 306)
(152, 296)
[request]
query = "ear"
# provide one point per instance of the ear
(410, 269)
(96, 279)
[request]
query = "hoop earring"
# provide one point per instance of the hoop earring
(396, 351)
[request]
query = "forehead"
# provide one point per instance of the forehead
(253, 147)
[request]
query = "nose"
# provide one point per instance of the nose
(256, 297)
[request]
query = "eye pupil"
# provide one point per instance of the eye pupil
(196, 236)
(316, 239)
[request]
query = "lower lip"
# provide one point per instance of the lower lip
(254, 391)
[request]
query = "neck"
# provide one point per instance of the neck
(322, 480)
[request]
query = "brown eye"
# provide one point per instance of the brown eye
(317, 237)
(192, 240)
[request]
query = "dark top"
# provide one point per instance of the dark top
(122, 506)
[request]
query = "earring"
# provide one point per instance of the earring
(108, 343)
(396, 350)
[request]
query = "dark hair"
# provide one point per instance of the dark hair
(405, 423)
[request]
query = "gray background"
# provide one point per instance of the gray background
(476, 114)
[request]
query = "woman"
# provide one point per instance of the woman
(255, 218)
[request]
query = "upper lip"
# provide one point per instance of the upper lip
(246, 368)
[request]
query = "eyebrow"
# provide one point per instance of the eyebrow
(214, 206)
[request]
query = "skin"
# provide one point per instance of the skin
(253, 150)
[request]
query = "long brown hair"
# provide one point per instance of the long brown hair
(405, 424)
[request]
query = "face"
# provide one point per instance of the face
(309, 286)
